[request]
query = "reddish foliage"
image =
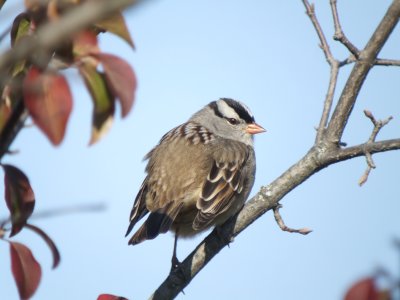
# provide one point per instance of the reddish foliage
(26, 270)
(110, 297)
(363, 289)
(49, 102)
(19, 197)
(120, 78)
(85, 43)
(49, 242)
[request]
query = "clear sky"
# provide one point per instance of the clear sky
(266, 54)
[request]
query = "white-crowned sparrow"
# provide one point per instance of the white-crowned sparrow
(199, 174)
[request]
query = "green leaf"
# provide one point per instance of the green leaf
(103, 101)
(5, 107)
(20, 27)
(116, 25)
(120, 79)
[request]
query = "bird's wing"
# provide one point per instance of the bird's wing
(169, 182)
(223, 182)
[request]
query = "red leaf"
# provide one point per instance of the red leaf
(85, 43)
(49, 242)
(364, 289)
(26, 270)
(49, 102)
(110, 297)
(19, 197)
(120, 78)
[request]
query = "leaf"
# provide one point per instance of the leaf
(85, 43)
(26, 270)
(110, 297)
(120, 78)
(116, 25)
(49, 102)
(49, 242)
(364, 289)
(5, 107)
(19, 196)
(103, 101)
(20, 27)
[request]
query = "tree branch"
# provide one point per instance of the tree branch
(282, 225)
(325, 152)
(49, 35)
(360, 71)
(333, 63)
(387, 62)
(266, 199)
(339, 34)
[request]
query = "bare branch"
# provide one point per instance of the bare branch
(319, 157)
(360, 71)
(310, 10)
(266, 199)
(328, 100)
(281, 223)
(387, 62)
(339, 34)
(333, 63)
(377, 127)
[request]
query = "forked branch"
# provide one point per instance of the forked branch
(315, 160)
(378, 124)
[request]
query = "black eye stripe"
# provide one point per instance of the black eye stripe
(213, 105)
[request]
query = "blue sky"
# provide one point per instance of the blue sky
(189, 53)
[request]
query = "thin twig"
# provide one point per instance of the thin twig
(333, 63)
(387, 62)
(328, 100)
(360, 71)
(310, 10)
(281, 223)
(61, 211)
(378, 124)
(339, 34)
(266, 199)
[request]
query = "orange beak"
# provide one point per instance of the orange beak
(254, 128)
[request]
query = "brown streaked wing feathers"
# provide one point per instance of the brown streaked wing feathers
(223, 182)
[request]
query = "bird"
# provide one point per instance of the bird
(199, 175)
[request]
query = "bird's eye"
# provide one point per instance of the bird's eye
(232, 121)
